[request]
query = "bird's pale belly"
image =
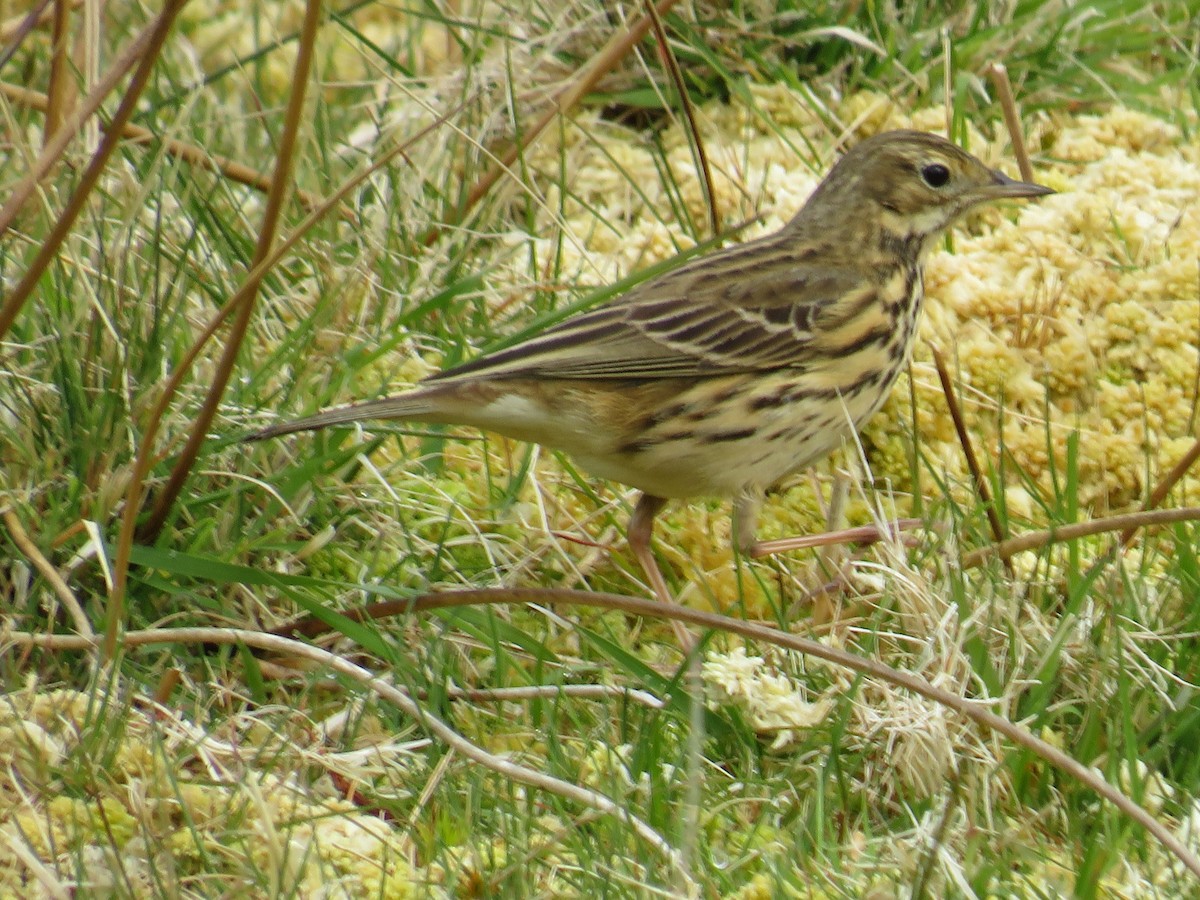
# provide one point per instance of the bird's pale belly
(763, 430)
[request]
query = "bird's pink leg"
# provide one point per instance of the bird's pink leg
(641, 527)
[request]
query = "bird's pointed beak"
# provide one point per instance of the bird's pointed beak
(1004, 187)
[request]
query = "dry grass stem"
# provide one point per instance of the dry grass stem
(189, 153)
(998, 73)
(17, 27)
(689, 114)
(280, 181)
(61, 589)
(964, 439)
(972, 710)
(381, 688)
(144, 51)
(1164, 486)
(860, 534)
(1034, 539)
(146, 456)
(563, 102)
(61, 90)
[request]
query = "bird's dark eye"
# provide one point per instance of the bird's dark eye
(935, 174)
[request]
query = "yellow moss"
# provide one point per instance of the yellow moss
(141, 809)
(775, 705)
(760, 887)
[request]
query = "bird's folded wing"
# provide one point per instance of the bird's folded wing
(698, 321)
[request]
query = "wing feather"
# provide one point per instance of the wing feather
(758, 306)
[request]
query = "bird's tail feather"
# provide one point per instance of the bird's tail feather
(413, 405)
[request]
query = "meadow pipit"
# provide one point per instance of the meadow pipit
(727, 374)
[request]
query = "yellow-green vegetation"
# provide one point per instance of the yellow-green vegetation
(1071, 328)
(136, 800)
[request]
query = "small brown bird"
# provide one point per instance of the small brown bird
(727, 374)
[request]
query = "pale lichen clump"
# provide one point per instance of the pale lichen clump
(175, 799)
(775, 705)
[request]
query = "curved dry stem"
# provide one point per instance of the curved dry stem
(382, 688)
(562, 102)
(1159, 494)
(641, 607)
(144, 51)
(971, 710)
(280, 180)
(61, 589)
(189, 153)
(1034, 539)
(145, 453)
(685, 104)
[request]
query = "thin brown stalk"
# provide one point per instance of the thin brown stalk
(52, 151)
(62, 590)
(638, 606)
(1033, 539)
(146, 457)
(276, 197)
(166, 685)
(964, 439)
(1164, 486)
(695, 140)
(14, 30)
(998, 73)
(144, 51)
(189, 153)
(862, 534)
(968, 708)
(565, 100)
(60, 89)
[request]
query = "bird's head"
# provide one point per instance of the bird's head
(912, 183)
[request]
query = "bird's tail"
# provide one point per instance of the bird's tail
(413, 405)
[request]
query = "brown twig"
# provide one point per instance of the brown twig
(863, 534)
(146, 457)
(144, 51)
(969, 709)
(1029, 541)
(999, 76)
(964, 439)
(1164, 486)
(60, 89)
(685, 104)
(189, 153)
(60, 587)
(501, 764)
(562, 102)
(280, 180)
(14, 31)
(53, 150)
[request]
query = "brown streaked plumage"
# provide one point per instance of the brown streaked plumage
(727, 374)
